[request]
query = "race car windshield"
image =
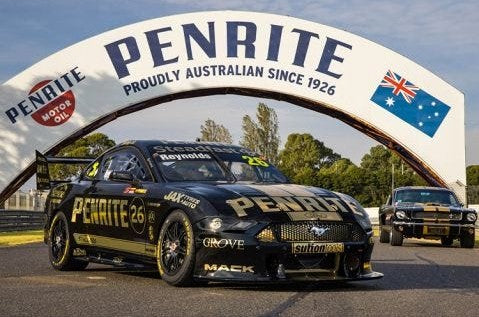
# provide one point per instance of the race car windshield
(182, 167)
(426, 196)
(254, 169)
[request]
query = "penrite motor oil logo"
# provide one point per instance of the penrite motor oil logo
(57, 111)
(49, 102)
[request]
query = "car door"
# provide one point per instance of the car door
(117, 203)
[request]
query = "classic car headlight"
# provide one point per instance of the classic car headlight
(401, 214)
(471, 217)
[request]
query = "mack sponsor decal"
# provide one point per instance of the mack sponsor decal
(288, 204)
(223, 243)
(49, 102)
(183, 199)
(229, 268)
(316, 247)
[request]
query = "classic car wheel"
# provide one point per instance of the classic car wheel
(396, 237)
(447, 241)
(467, 240)
(383, 235)
(60, 246)
(175, 252)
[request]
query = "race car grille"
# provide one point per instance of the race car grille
(436, 215)
(317, 231)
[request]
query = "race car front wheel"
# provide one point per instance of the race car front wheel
(59, 246)
(176, 252)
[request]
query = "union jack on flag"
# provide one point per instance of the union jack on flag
(399, 85)
(410, 103)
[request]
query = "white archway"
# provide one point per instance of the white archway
(371, 88)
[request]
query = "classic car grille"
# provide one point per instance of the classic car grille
(301, 231)
(436, 215)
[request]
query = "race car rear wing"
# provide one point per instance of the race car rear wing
(43, 174)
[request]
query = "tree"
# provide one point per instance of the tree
(378, 168)
(214, 132)
(472, 175)
(262, 136)
(89, 146)
(302, 152)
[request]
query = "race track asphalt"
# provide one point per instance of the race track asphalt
(421, 279)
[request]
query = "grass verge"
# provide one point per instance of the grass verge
(20, 237)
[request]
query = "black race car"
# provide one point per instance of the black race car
(426, 212)
(202, 211)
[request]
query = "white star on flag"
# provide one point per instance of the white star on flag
(390, 101)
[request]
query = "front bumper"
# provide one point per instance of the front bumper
(258, 261)
(419, 229)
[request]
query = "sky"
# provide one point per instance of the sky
(439, 35)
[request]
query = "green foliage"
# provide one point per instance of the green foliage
(262, 136)
(214, 132)
(472, 175)
(89, 146)
(308, 161)
(303, 156)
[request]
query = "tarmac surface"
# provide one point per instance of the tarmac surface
(421, 279)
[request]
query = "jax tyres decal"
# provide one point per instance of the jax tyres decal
(137, 215)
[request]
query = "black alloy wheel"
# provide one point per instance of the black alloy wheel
(175, 254)
(60, 246)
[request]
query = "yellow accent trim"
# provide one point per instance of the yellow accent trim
(140, 248)
(437, 208)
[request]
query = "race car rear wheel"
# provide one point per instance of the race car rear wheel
(467, 240)
(447, 241)
(60, 247)
(176, 252)
(396, 237)
(383, 235)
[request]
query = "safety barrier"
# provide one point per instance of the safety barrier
(19, 220)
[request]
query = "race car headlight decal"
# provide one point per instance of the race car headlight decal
(266, 235)
(215, 223)
(225, 224)
(400, 214)
(242, 225)
(471, 217)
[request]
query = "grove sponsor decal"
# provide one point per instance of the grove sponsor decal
(317, 247)
(223, 243)
(288, 204)
(229, 268)
(49, 102)
(183, 199)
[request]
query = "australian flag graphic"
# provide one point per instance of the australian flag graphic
(410, 103)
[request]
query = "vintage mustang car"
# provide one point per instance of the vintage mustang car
(426, 212)
(203, 212)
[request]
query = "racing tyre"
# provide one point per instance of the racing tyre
(467, 240)
(396, 237)
(176, 250)
(383, 235)
(60, 246)
(447, 241)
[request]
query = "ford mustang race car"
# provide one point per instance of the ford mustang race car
(426, 212)
(202, 212)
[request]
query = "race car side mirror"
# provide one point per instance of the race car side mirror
(121, 176)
